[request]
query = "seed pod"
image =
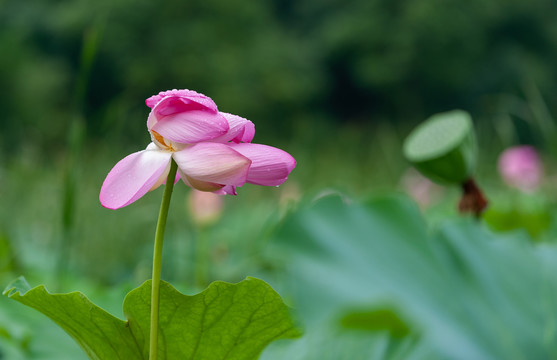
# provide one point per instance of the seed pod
(443, 148)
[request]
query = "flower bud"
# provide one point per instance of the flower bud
(521, 168)
(205, 207)
(421, 189)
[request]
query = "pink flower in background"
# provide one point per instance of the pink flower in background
(521, 167)
(205, 207)
(421, 189)
(212, 150)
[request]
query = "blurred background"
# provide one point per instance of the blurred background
(338, 84)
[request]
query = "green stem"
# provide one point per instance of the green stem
(157, 261)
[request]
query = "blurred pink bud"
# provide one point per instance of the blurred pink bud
(205, 207)
(420, 188)
(520, 167)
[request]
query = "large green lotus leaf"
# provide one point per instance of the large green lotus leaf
(232, 321)
(462, 291)
(101, 335)
(376, 319)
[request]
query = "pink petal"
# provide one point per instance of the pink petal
(188, 94)
(212, 163)
(205, 186)
(241, 130)
(227, 190)
(133, 176)
(269, 166)
(183, 121)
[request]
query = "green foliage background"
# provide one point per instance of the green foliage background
(288, 65)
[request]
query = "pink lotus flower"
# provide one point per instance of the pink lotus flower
(213, 151)
(521, 167)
